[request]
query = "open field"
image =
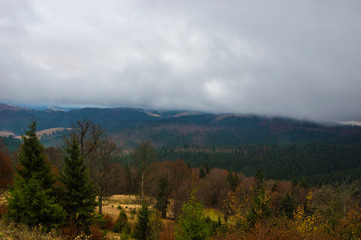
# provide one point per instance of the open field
(126, 202)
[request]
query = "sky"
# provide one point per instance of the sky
(289, 58)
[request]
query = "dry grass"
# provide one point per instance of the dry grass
(50, 131)
(127, 202)
(13, 231)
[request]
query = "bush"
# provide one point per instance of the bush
(192, 223)
(108, 222)
(122, 225)
(96, 233)
(142, 229)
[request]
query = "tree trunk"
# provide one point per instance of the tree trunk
(142, 187)
(100, 204)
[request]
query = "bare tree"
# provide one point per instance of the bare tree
(98, 152)
(6, 170)
(143, 155)
(54, 155)
(100, 163)
(88, 134)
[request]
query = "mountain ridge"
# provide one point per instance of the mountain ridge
(178, 127)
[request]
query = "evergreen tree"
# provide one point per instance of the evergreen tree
(260, 207)
(259, 180)
(163, 197)
(122, 225)
(202, 174)
(129, 180)
(275, 186)
(143, 230)
(233, 180)
(303, 183)
(287, 206)
(32, 160)
(206, 167)
(192, 223)
(31, 198)
(79, 192)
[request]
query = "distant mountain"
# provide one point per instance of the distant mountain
(9, 107)
(129, 126)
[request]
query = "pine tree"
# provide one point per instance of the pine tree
(31, 198)
(163, 196)
(143, 230)
(79, 192)
(287, 206)
(233, 180)
(33, 163)
(206, 167)
(202, 174)
(192, 223)
(260, 207)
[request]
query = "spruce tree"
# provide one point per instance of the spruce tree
(233, 180)
(260, 207)
(287, 206)
(192, 223)
(79, 192)
(206, 167)
(142, 229)
(163, 196)
(202, 174)
(31, 198)
(32, 160)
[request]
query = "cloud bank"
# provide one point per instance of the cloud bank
(290, 58)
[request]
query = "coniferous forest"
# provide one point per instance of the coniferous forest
(91, 189)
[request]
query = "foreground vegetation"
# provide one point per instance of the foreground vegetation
(71, 196)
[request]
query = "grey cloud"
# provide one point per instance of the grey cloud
(289, 58)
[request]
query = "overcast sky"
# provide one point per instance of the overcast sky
(290, 58)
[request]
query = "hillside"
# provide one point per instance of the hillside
(130, 126)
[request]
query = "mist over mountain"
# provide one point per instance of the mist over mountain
(129, 126)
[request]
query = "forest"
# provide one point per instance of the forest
(293, 191)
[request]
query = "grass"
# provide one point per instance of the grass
(126, 202)
(12, 231)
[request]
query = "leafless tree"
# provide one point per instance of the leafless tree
(88, 134)
(143, 156)
(100, 163)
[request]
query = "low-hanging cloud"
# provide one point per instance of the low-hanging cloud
(290, 58)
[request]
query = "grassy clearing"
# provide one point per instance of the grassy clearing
(127, 202)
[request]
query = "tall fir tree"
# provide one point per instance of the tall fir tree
(32, 160)
(260, 207)
(233, 180)
(163, 196)
(31, 198)
(79, 191)
(287, 206)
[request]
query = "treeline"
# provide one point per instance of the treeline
(320, 163)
